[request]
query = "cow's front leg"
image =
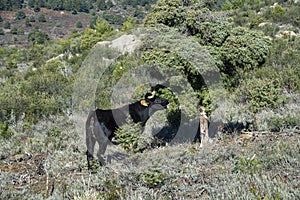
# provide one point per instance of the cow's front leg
(90, 141)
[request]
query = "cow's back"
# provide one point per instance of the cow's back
(111, 119)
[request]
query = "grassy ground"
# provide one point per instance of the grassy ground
(47, 161)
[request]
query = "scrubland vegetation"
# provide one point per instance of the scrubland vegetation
(253, 45)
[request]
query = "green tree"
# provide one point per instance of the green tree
(14, 30)
(129, 24)
(31, 3)
(227, 5)
(168, 12)
(101, 4)
(27, 22)
(42, 18)
(278, 12)
(38, 37)
(103, 27)
(20, 31)
(79, 24)
(32, 18)
(6, 25)
(20, 15)
(243, 50)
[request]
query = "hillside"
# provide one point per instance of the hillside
(240, 60)
(19, 19)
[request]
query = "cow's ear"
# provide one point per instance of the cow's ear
(144, 102)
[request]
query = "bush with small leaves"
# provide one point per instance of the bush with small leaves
(243, 51)
(20, 15)
(153, 178)
(261, 93)
(6, 25)
(278, 124)
(79, 24)
(5, 130)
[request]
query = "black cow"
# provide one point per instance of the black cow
(102, 124)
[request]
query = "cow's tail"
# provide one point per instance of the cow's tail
(90, 136)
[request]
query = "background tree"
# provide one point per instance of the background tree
(42, 18)
(38, 37)
(6, 25)
(20, 15)
(79, 24)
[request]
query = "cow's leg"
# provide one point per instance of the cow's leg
(102, 140)
(90, 140)
(101, 151)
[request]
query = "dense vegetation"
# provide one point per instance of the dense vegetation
(254, 45)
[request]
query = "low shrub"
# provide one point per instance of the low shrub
(153, 178)
(277, 124)
(128, 136)
(5, 131)
(261, 93)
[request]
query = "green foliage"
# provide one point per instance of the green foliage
(6, 25)
(261, 93)
(173, 112)
(278, 12)
(5, 131)
(248, 165)
(11, 4)
(112, 18)
(42, 18)
(31, 18)
(103, 27)
(227, 5)
(128, 136)
(171, 60)
(284, 63)
(14, 30)
(44, 92)
(100, 31)
(270, 29)
(153, 178)
(20, 15)
(38, 37)
(243, 50)
(111, 190)
(213, 33)
(79, 24)
(130, 23)
(170, 13)
(27, 22)
(278, 124)
(55, 139)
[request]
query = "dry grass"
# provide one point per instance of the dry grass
(49, 162)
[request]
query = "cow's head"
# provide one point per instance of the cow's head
(156, 103)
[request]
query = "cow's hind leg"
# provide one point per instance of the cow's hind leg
(102, 140)
(101, 151)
